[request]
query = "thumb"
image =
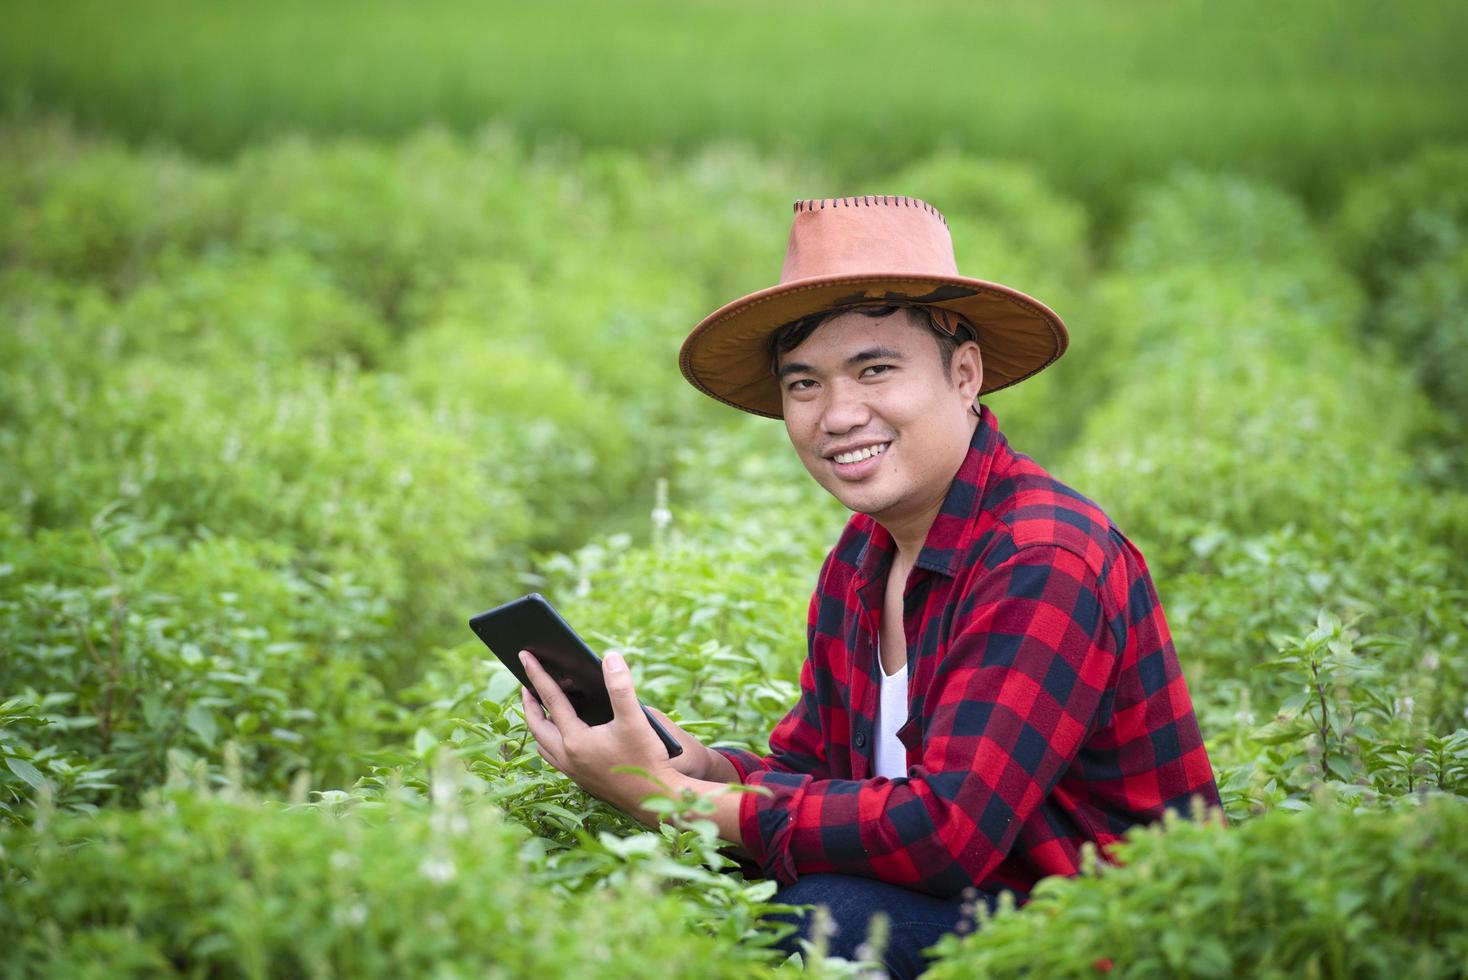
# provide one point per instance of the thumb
(619, 686)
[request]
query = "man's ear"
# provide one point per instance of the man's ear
(968, 370)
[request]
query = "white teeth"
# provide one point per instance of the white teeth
(857, 455)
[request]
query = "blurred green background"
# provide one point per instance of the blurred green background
(325, 326)
(1097, 93)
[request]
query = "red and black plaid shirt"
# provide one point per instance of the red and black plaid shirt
(1046, 706)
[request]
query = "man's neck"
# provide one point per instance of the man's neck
(909, 535)
(910, 531)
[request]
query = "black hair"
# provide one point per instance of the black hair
(791, 335)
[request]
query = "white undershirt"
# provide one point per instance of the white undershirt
(891, 760)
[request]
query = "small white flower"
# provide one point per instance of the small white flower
(1404, 707)
(452, 824)
(353, 915)
(443, 792)
(440, 870)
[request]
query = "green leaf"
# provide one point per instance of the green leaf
(761, 891)
(25, 771)
(555, 809)
(634, 845)
(1281, 733)
(153, 709)
(200, 721)
(502, 684)
(661, 805)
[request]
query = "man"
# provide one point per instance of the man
(990, 682)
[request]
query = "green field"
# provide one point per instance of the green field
(1101, 95)
(323, 328)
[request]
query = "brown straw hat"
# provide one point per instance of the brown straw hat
(849, 252)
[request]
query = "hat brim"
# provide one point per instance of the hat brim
(727, 355)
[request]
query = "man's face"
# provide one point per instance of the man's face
(874, 417)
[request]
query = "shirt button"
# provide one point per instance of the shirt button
(861, 740)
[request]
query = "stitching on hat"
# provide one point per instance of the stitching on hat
(871, 201)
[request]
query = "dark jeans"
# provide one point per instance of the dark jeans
(917, 921)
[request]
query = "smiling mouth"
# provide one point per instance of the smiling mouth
(857, 455)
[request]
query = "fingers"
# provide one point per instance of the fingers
(551, 696)
(619, 688)
(547, 737)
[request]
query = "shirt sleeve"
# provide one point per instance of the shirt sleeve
(1015, 698)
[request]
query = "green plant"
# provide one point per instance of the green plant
(74, 782)
(227, 885)
(1397, 218)
(1404, 230)
(135, 649)
(1324, 892)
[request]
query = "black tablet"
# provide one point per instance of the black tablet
(531, 623)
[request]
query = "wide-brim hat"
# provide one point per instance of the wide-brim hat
(849, 252)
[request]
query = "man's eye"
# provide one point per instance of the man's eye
(875, 369)
(802, 384)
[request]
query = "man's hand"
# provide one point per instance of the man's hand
(697, 760)
(588, 754)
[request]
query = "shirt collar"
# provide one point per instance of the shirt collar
(955, 525)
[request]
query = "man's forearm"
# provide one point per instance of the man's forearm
(726, 804)
(718, 768)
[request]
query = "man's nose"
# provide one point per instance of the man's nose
(845, 409)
